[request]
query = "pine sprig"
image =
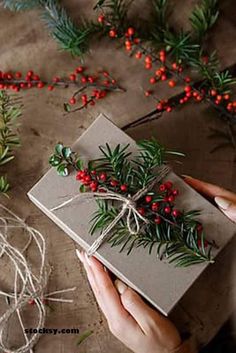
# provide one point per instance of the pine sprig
(204, 16)
(177, 236)
(20, 5)
(10, 111)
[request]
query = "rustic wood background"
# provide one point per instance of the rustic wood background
(25, 44)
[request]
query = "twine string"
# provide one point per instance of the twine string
(27, 283)
(133, 217)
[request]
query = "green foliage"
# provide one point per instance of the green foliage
(20, 5)
(204, 17)
(10, 111)
(71, 38)
(222, 81)
(63, 158)
(180, 45)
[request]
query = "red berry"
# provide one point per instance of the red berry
(30, 73)
(167, 209)
(50, 88)
(101, 18)
(128, 43)
(213, 92)
(84, 98)
(175, 213)
(189, 94)
(83, 79)
(187, 79)
(155, 206)
(103, 176)
(168, 109)
(141, 210)
(112, 33)
(162, 187)
(148, 93)
(105, 73)
(40, 84)
(226, 97)
(160, 106)
(93, 186)
(181, 101)
(174, 66)
(29, 85)
(158, 73)
(148, 198)
(148, 59)
(22, 85)
(219, 97)
(172, 83)
(162, 53)
(130, 31)
(168, 184)
(72, 100)
(163, 69)
(138, 55)
(72, 77)
(18, 74)
(114, 182)
(36, 77)
(148, 66)
(56, 79)
(188, 88)
(163, 77)
(171, 198)
(91, 79)
(124, 187)
(175, 192)
(158, 220)
(152, 80)
(79, 69)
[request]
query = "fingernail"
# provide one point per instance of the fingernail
(79, 254)
(185, 176)
(88, 259)
(120, 286)
(222, 202)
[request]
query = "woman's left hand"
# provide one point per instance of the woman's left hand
(138, 326)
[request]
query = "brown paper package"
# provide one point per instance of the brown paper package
(159, 282)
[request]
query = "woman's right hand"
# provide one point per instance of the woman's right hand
(226, 200)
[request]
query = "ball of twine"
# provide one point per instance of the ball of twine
(28, 283)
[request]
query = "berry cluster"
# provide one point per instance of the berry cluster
(100, 84)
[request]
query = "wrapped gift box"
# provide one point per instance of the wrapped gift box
(160, 283)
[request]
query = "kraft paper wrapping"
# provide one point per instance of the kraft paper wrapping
(159, 282)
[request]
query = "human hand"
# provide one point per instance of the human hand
(138, 326)
(226, 200)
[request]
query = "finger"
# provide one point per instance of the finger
(106, 294)
(145, 316)
(227, 207)
(208, 189)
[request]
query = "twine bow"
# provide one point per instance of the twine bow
(129, 207)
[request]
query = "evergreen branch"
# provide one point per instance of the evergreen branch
(10, 111)
(180, 45)
(204, 17)
(20, 5)
(71, 38)
(116, 12)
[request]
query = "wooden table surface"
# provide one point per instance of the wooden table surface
(25, 44)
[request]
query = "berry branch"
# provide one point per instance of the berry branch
(176, 235)
(97, 86)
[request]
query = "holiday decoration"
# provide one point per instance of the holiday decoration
(123, 203)
(153, 220)
(29, 281)
(10, 111)
(89, 87)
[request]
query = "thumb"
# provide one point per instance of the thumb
(134, 304)
(228, 207)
